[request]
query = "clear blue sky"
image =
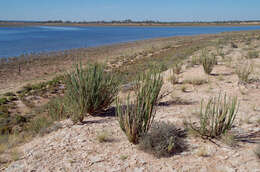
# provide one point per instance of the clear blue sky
(165, 10)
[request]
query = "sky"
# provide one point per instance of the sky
(161, 10)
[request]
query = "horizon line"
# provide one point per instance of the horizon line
(129, 21)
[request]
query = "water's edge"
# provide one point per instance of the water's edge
(16, 41)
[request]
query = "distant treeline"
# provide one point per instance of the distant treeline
(129, 21)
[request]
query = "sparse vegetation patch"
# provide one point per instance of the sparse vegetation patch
(136, 117)
(90, 91)
(244, 71)
(163, 140)
(217, 116)
(208, 61)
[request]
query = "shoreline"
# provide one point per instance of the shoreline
(24, 24)
(21, 24)
(118, 43)
(32, 68)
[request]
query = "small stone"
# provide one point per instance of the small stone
(236, 155)
(95, 159)
(139, 169)
(142, 162)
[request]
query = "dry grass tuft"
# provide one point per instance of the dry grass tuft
(195, 81)
(104, 136)
(163, 140)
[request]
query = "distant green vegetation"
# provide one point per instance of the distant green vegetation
(129, 21)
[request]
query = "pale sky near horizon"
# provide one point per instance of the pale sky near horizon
(163, 10)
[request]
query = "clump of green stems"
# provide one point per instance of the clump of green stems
(135, 118)
(177, 67)
(252, 55)
(217, 117)
(243, 72)
(208, 61)
(90, 90)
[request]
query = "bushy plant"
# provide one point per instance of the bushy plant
(208, 62)
(217, 117)
(104, 136)
(243, 72)
(252, 55)
(162, 140)
(195, 81)
(90, 91)
(177, 67)
(195, 60)
(174, 79)
(257, 151)
(39, 124)
(136, 117)
(56, 109)
(233, 45)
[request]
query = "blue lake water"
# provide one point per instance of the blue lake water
(15, 41)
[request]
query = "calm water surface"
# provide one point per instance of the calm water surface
(15, 41)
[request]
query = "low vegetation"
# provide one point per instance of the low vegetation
(208, 62)
(257, 151)
(56, 109)
(216, 117)
(195, 81)
(244, 71)
(162, 140)
(177, 66)
(252, 55)
(174, 79)
(39, 125)
(229, 139)
(195, 60)
(89, 91)
(136, 117)
(104, 136)
(203, 152)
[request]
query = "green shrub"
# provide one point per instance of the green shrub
(257, 151)
(38, 125)
(217, 117)
(9, 94)
(243, 72)
(174, 79)
(195, 60)
(208, 62)
(252, 55)
(90, 91)
(229, 139)
(195, 81)
(220, 52)
(104, 136)
(136, 117)
(233, 45)
(162, 140)
(56, 109)
(177, 67)
(3, 100)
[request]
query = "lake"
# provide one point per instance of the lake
(15, 41)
